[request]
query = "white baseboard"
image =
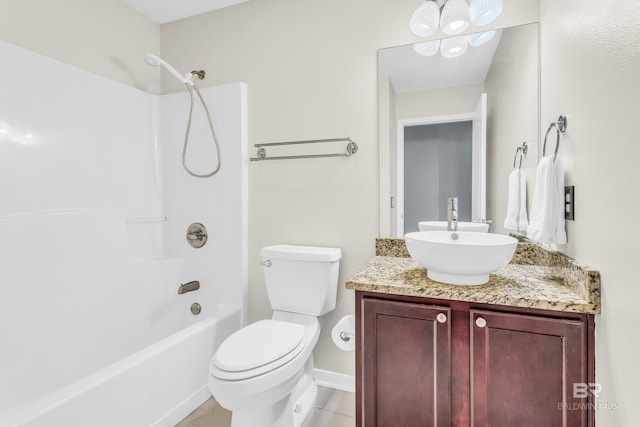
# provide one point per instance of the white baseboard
(335, 380)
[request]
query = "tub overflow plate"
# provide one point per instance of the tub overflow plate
(195, 308)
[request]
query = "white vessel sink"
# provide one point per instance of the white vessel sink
(480, 227)
(468, 260)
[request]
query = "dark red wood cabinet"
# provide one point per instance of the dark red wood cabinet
(424, 362)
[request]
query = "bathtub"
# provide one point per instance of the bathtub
(93, 337)
(157, 386)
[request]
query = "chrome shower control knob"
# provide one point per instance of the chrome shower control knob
(197, 235)
(441, 318)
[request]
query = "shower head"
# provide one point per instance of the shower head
(155, 60)
(152, 60)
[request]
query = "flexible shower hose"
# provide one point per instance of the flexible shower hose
(190, 89)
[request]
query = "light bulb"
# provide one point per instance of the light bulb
(429, 48)
(484, 11)
(454, 46)
(478, 39)
(455, 17)
(424, 21)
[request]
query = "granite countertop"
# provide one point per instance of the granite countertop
(535, 278)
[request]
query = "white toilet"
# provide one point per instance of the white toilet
(263, 373)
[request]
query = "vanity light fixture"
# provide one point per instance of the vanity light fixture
(478, 39)
(453, 46)
(428, 48)
(453, 16)
(484, 11)
(425, 20)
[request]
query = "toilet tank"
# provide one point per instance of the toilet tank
(301, 279)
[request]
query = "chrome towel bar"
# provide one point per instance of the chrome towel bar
(351, 149)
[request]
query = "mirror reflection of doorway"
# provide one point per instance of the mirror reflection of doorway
(448, 172)
(437, 165)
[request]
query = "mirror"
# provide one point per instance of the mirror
(449, 126)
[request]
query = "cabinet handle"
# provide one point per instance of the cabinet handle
(480, 322)
(441, 317)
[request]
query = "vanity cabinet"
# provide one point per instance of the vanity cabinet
(428, 362)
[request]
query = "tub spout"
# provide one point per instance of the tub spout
(188, 287)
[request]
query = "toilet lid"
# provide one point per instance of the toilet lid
(258, 344)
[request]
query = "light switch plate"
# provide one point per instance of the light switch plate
(569, 203)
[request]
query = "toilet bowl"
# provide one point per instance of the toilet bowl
(263, 373)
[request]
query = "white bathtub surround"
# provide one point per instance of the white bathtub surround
(92, 237)
(219, 202)
(72, 139)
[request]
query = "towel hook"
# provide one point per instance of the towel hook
(523, 152)
(561, 126)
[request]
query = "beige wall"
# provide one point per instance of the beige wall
(590, 72)
(102, 36)
(438, 102)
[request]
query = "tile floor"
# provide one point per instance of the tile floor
(334, 408)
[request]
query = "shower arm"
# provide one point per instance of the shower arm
(200, 73)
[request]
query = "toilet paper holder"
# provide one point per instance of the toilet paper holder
(346, 336)
(343, 333)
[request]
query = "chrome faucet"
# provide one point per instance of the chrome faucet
(188, 287)
(452, 214)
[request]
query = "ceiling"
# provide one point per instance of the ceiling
(410, 71)
(163, 11)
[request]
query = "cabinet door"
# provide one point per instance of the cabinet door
(406, 362)
(523, 370)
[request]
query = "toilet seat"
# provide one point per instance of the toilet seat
(258, 348)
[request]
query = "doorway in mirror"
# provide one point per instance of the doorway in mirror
(440, 157)
(437, 165)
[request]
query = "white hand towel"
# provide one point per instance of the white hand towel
(517, 202)
(547, 209)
